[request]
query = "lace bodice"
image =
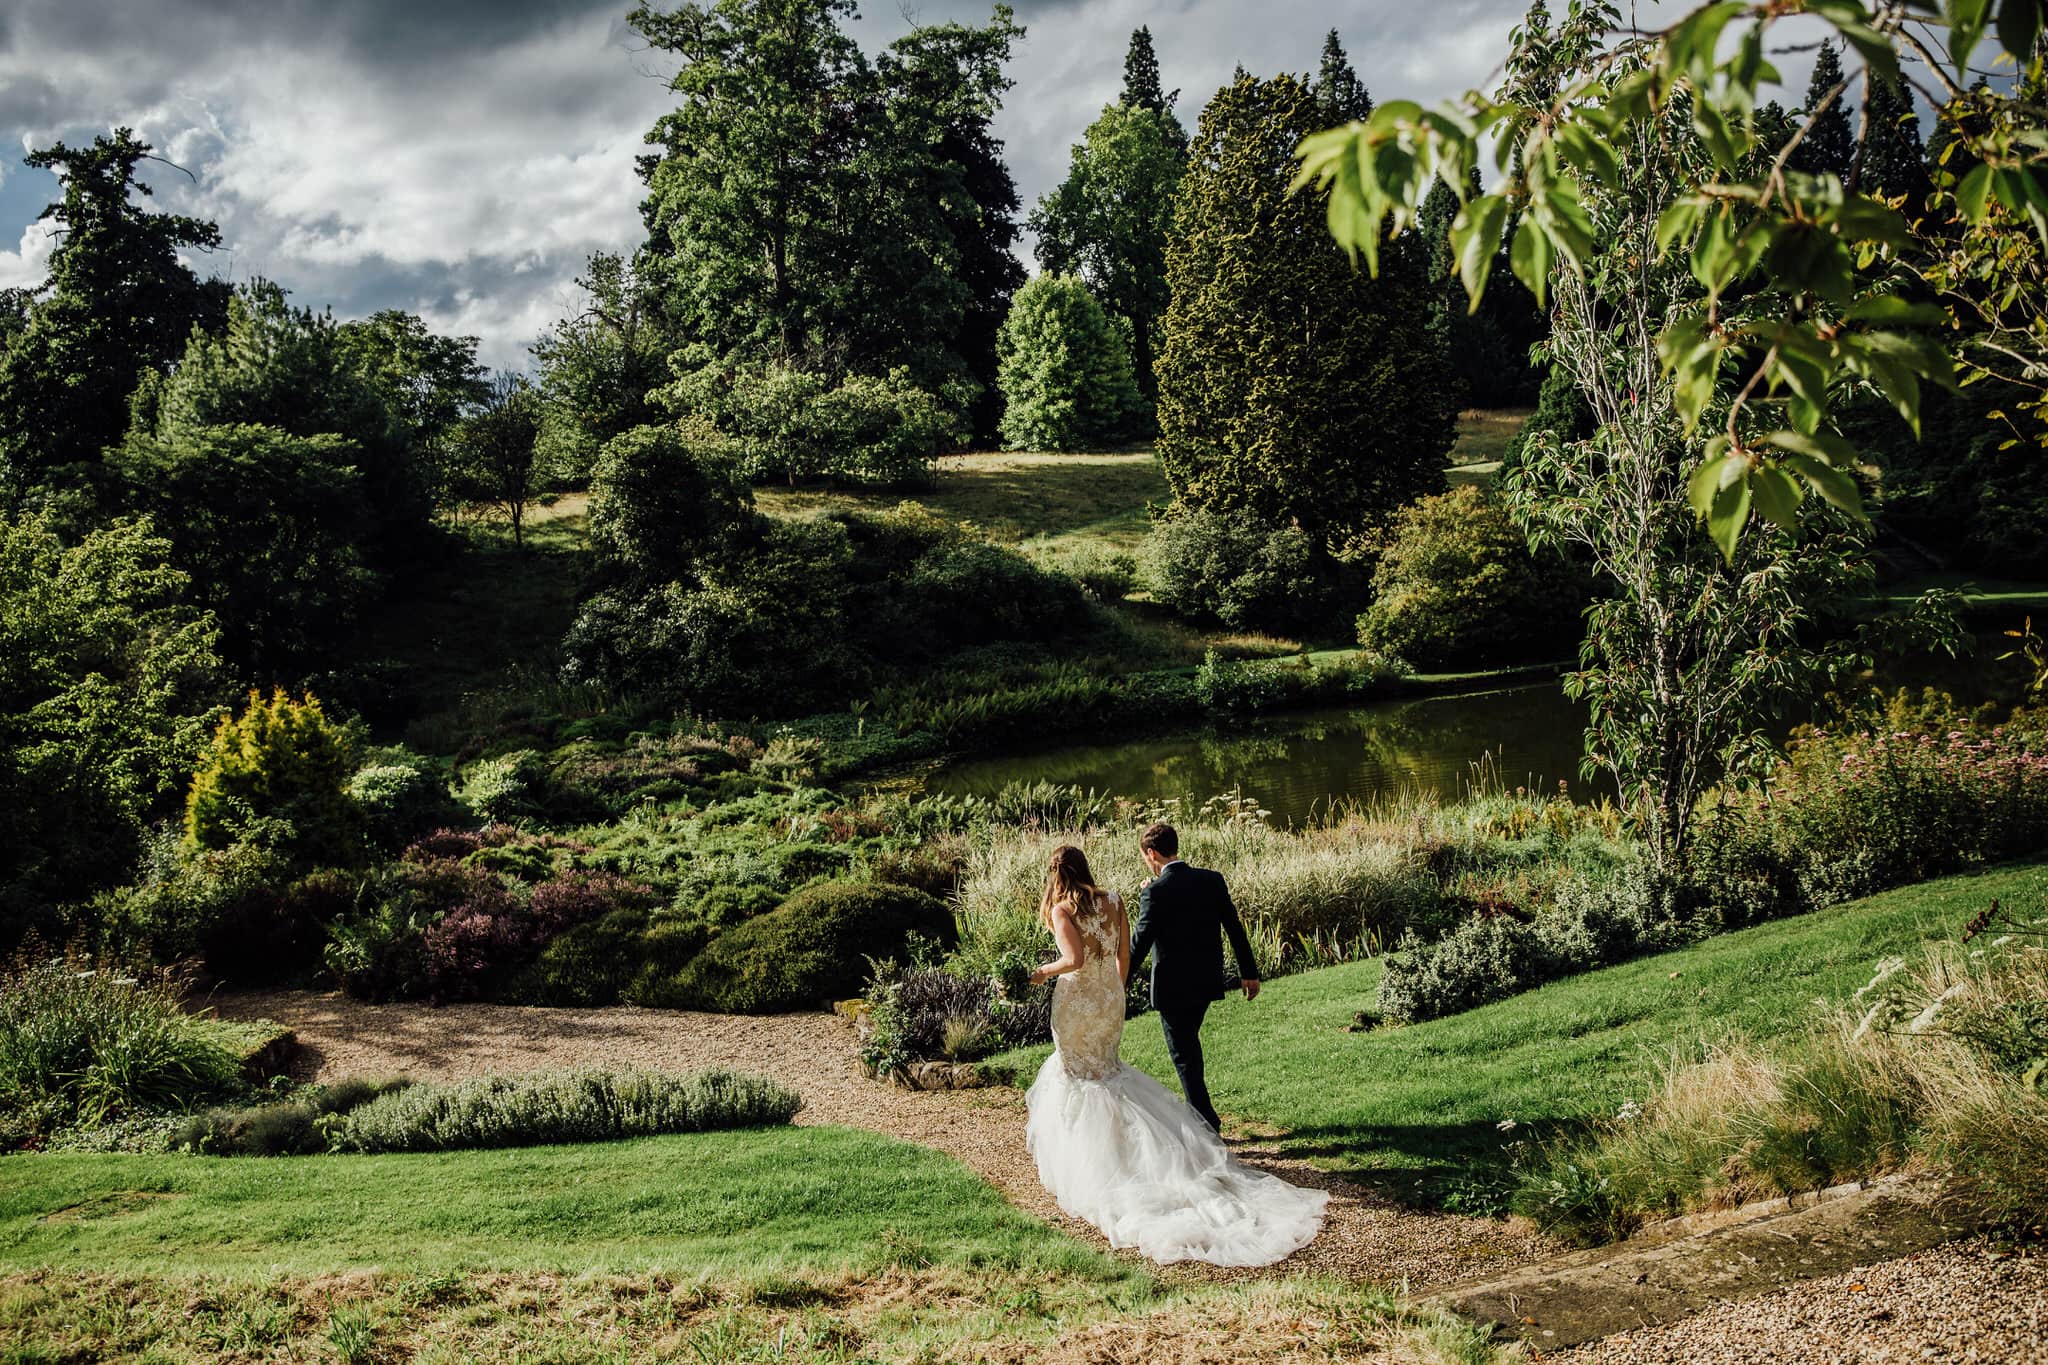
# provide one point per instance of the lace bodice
(1088, 1003)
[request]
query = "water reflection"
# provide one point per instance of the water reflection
(1298, 764)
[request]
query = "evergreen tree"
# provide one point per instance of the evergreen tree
(1486, 354)
(1894, 162)
(118, 301)
(1829, 147)
(1142, 88)
(1338, 89)
(804, 208)
(1292, 387)
(1065, 373)
(1108, 222)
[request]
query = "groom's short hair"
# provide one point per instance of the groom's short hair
(1160, 838)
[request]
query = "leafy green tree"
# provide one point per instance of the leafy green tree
(1829, 146)
(599, 366)
(1894, 162)
(742, 203)
(1342, 95)
(110, 677)
(293, 370)
(1108, 221)
(803, 208)
(268, 526)
(427, 382)
(1143, 88)
(498, 452)
(934, 289)
(1487, 351)
(118, 301)
(1066, 376)
(1292, 388)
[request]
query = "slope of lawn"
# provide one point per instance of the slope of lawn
(792, 1244)
(745, 1204)
(1414, 1107)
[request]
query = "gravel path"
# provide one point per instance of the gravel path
(1968, 1303)
(1366, 1237)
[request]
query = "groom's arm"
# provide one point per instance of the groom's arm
(1143, 934)
(1240, 942)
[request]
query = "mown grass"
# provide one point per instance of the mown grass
(741, 1204)
(1417, 1109)
(1015, 496)
(807, 1244)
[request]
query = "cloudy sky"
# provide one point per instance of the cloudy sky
(461, 158)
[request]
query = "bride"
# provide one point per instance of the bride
(1113, 1145)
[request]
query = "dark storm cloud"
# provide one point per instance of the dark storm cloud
(461, 158)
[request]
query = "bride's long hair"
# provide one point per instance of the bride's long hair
(1068, 880)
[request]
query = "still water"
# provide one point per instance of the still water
(1298, 764)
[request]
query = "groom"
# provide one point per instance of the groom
(1180, 913)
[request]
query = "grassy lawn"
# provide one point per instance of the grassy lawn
(742, 1204)
(793, 1244)
(1016, 496)
(1410, 1108)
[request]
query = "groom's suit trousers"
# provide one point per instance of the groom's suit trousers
(1183, 1027)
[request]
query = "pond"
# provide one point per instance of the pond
(1298, 765)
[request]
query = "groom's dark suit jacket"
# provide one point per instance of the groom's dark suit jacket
(1182, 917)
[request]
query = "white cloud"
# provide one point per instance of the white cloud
(461, 158)
(30, 261)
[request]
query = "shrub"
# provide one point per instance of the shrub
(1909, 790)
(795, 424)
(1106, 575)
(1065, 372)
(927, 1013)
(1594, 923)
(81, 1042)
(561, 1106)
(263, 938)
(400, 795)
(810, 950)
(1210, 565)
(282, 760)
(666, 949)
(183, 894)
(382, 950)
(1457, 585)
(588, 964)
(507, 788)
(296, 1127)
(663, 497)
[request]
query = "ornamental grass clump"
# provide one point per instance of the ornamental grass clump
(1942, 1064)
(561, 1106)
(82, 1043)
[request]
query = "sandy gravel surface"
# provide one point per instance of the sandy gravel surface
(1968, 1303)
(813, 1054)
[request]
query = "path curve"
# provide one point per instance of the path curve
(1365, 1238)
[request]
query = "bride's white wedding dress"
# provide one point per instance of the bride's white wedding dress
(1116, 1148)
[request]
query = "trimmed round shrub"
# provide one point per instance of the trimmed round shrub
(1458, 585)
(588, 964)
(811, 949)
(1064, 370)
(400, 796)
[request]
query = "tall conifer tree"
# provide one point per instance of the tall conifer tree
(1894, 161)
(1293, 388)
(1342, 95)
(1829, 147)
(1143, 88)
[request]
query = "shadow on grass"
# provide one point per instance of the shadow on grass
(1470, 1166)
